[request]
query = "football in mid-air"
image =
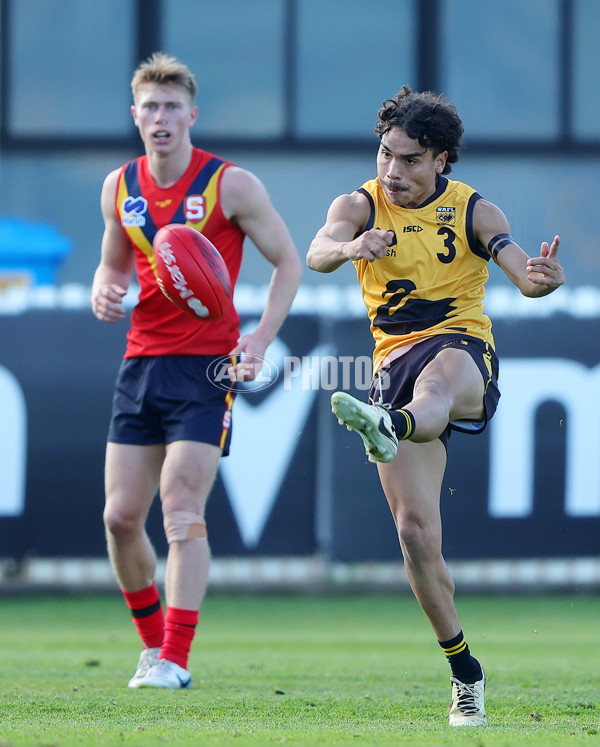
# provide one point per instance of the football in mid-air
(191, 272)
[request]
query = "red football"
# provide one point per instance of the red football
(191, 272)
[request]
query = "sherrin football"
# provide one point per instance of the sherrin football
(191, 272)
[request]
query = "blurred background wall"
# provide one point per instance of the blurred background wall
(290, 90)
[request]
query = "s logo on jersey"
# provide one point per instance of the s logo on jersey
(195, 208)
(446, 216)
(132, 211)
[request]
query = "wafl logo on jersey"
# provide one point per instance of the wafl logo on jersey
(132, 211)
(446, 215)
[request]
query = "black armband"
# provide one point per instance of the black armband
(497, 242)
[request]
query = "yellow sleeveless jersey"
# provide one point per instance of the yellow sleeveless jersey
(431, 280)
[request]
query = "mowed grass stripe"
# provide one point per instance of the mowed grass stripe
(300, 670)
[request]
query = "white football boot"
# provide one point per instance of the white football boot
(148, 658)
(468, 703)
(372, 423)
(167, 674)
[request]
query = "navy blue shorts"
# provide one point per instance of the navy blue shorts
(170, 398)
(393, 384)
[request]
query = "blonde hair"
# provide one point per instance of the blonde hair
(164, 70)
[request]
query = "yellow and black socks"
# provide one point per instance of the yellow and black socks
(404, 423)
(180, 628)
(464, 667)
(147, 615)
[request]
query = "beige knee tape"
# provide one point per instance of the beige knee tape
(182, 525)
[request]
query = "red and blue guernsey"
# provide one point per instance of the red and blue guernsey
(158, 327)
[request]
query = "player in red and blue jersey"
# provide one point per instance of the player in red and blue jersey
(170, 425)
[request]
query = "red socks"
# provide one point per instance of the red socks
(180, 628)
(172, 633)
(147, 615)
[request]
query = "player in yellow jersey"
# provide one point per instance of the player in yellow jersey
(421, 244)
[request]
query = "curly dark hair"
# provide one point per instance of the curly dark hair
(425, 117)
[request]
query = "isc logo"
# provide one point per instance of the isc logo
(412, 229)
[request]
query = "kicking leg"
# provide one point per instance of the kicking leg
(449, 388)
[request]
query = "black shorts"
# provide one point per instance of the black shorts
(393, 385)
(170, 398)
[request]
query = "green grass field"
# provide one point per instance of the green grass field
(345, 670)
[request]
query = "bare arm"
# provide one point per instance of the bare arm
(533, 276)
(337, 241)
(246, 202)
(113, 274)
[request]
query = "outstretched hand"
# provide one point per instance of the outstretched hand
(546, 270)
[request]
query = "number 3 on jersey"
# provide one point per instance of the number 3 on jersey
(448, 244)
(195, 207)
